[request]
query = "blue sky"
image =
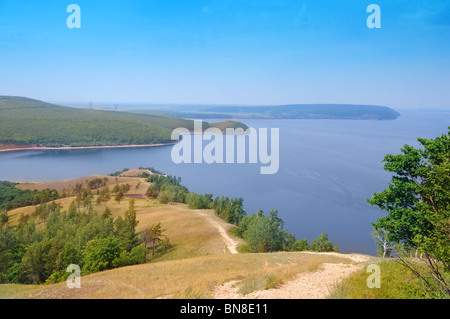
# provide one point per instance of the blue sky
(263, 52)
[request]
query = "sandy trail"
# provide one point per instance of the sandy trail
(229, 242)
(307, 285)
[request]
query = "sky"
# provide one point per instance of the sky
(243, 52)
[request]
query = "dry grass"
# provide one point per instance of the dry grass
(70, 183)
(190, 234)
(135, 172)
(197, 264)
(11, 291)
(186, 278)
(15, 214)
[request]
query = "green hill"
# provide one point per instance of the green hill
(25, 121)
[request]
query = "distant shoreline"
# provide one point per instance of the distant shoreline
(14, 148)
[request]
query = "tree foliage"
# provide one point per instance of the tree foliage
(12, 197)
(418, 205)
(153, 235)
(41, 247)
(266, 233)
(322, 244)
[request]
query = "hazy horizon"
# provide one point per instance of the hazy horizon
(228, 52)
(109, 104)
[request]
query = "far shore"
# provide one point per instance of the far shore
(15, 148)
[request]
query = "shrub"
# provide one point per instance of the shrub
(322, 244)
(300, 245)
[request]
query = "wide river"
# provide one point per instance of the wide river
(328, 168)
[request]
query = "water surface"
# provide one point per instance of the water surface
(328, 168)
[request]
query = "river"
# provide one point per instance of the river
(328, 168)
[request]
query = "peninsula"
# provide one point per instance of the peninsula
(32, 124)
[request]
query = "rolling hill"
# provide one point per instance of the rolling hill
(201, 264)
(25, 121)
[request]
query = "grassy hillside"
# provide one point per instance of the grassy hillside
(195, 266)
(26, 121)
(397, 283)
(185, 278)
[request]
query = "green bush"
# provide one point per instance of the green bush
(265, 233)
(100, 254)
(300, 245)
(322, 244)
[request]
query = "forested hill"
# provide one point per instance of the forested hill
(25, 121)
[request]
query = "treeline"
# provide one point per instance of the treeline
(97, 182)
(86, 195)
(230, 210)
(152, 169)
(43, 245)
(118, 173)
(262, 233)
(12, 197)
(266, 234)
(144, 175)
(167, 189)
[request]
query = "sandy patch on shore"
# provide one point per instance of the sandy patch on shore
(307, 285)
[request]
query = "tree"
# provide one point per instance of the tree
(100, 254)
(418, 205)
(164, 197)
(381, 238)
(265, 233)
(119, 196)
(3, 218)
(138, 255)
(230, 210)
(300, 245)
(107, 213)
(84, 198)
(125, 228)
(153, 235)
(34, 262)
(116, 188)
(322, 244)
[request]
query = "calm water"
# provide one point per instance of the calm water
(328, 168)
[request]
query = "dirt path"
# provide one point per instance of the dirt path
(307, 285)
(229, 242)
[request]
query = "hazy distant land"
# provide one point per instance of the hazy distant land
(295, 111)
